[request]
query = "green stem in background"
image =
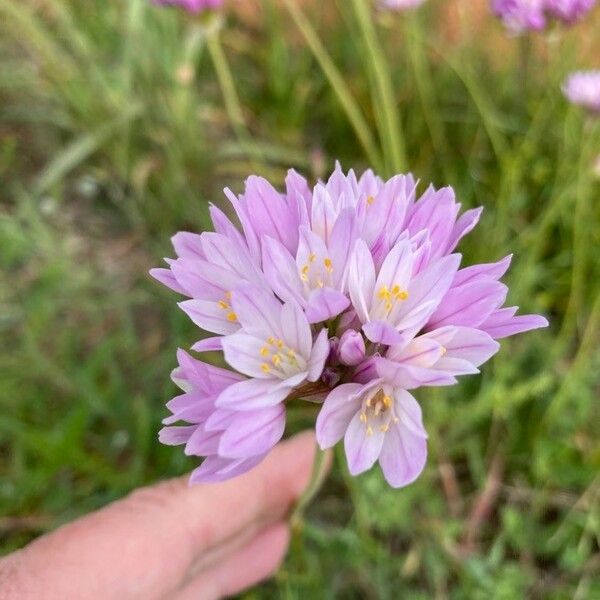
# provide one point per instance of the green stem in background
(582, 240)
(231, 98)
(524, 66)
(424, 83)
(338, 84)
(317, 477)
(389, 125)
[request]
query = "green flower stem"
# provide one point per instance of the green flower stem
(317, 478)
(390, 127)
(231, 98)
(338, 84)
(424, 83)
(582, 236)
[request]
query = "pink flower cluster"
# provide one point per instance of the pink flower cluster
(350, 295)
(523, 15)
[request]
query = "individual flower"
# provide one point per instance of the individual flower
(232, 442)
(400, 5)
(274, 347)
(583, 88)
(192, 6)
(569, 11)
(349, 295)
(519, 16)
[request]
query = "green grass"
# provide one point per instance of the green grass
(107, 148)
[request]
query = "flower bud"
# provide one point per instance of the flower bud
(351, 349)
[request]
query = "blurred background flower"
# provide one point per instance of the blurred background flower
(569, 11)
(521, 15)
(400, 4)
(583, 88)
(193, 6)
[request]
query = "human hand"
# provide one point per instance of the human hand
(170, 540)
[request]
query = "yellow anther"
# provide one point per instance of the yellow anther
(291, 353)
(369, 430)
(231, 317)
(363, 417)
(304, 273)
(402, 295)
(384, 428)
(312, 257)
(264, 351)
(388, 306)
(279, 344)
(228, 295)
(223, 304)
(276, 359)
(328, 264)
(444, 350)
(387, 401)
(320, 283)
(265, 368)
(370, 200)
(384, 293)
(270, 340)
(396, 289)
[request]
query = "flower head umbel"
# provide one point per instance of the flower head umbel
(519, 16)
(583, 88)
(350, 295)
(192, 6)
(569, 11)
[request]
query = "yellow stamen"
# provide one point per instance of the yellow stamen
(312, 257)
(370, 200)
(384, 428)
(402, 295)
(304, 273)
(279, 344)
(270, 340)
(276, 359)
(363, 417)
(228, 295)
(231, 317)
(264, 351)
(328, 265)
(265, 368)
(291, 353)
(444, 350)
(387, 401)
(369, 430)
(223, 304)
